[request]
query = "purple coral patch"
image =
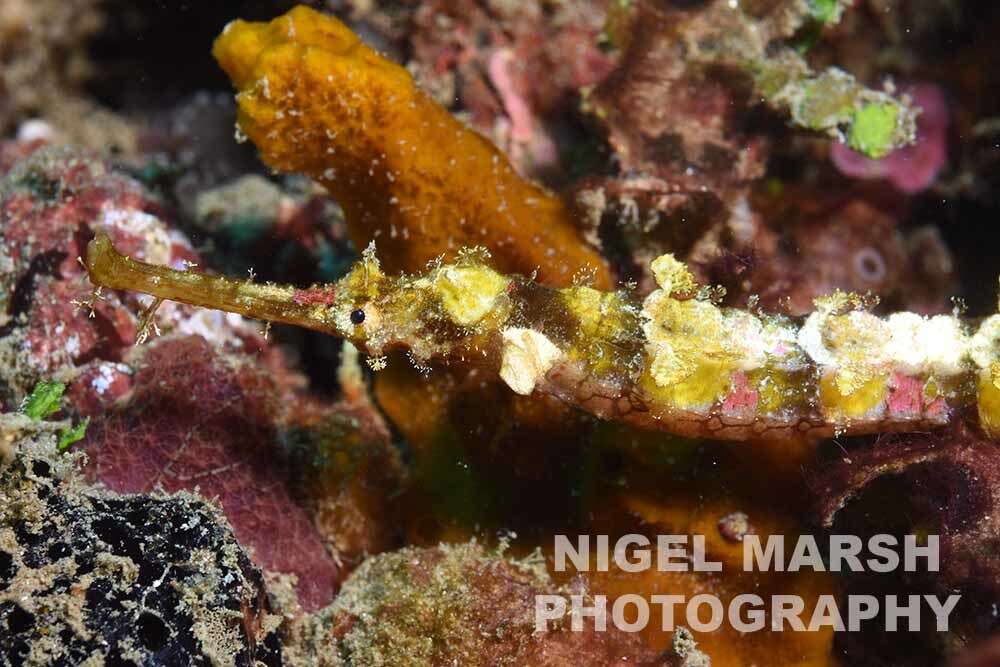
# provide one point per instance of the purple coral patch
(198, 419)
(912, 168)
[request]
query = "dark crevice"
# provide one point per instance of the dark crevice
(19, 620)
(153, 632)
(44, 264)
(6, 569)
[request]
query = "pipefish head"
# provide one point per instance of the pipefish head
(452, 303)
(456, 304)
(368, 309)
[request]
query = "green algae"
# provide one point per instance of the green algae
(44, 400)
(873, 129)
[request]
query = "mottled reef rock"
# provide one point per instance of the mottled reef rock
(198, 418)
(89, 576)
(459, 605)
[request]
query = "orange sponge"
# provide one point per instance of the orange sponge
(411, 177)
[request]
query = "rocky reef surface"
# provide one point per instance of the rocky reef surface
(93, 577)
(557, 237)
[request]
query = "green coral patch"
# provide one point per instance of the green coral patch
(73, 435)
(873, 129)
(44, 400)
(826, 11)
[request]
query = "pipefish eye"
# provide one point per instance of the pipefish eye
(357, 316)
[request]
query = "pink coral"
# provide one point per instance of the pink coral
(50, 205)
(51, 323)
(913, 168)
(952, 482)
(741, 399)
(99, 386)
(514, 66)
(200, 419)
(523, 133)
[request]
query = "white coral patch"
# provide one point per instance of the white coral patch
(35, 129)
(215, 326)
(764, 344)
(984, 346)
(106, 376)
(945, 345)
(834, 341)
(904, 342)
(912, 344)
(921, 346)
(157, 242)
(73, 346)
(810, 339)
(527, 356)
(780, 343)
(752, 342)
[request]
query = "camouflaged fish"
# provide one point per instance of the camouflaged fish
(674, 361)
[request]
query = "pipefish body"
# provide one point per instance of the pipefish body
(674, 361)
